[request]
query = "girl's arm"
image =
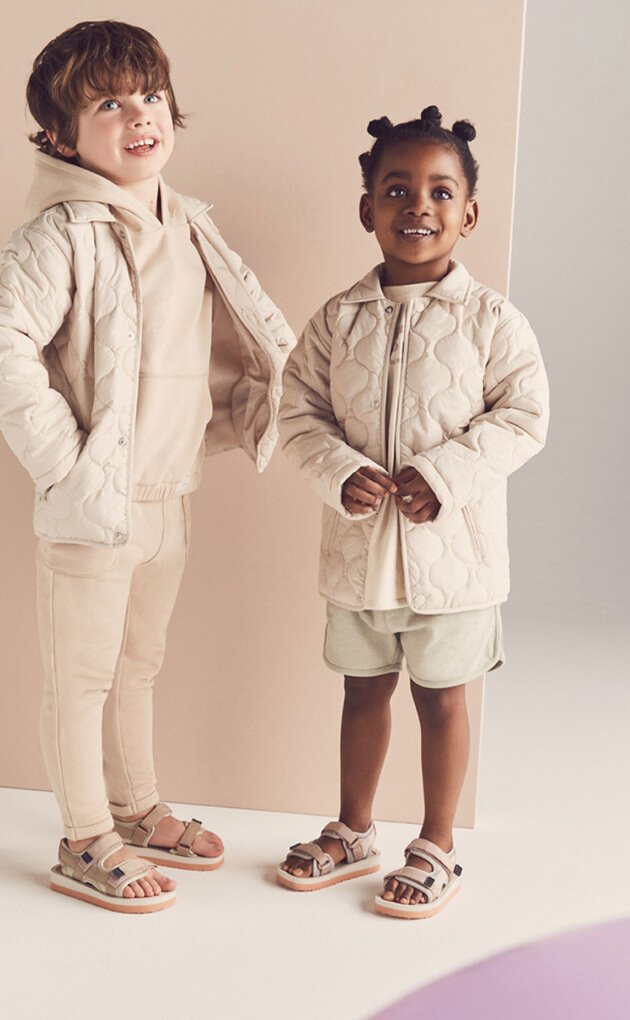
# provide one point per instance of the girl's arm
(510, 431)
(36, 287)
(309, 432)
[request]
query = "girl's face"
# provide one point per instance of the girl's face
(418, 207)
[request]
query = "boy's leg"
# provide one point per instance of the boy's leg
(128, 712)
(81, 605)
(365, 730)
(445, 747)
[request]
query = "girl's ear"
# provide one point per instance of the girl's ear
(471, 217)
(365, 213)
(65, 150)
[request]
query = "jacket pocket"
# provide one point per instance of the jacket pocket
(472, 532)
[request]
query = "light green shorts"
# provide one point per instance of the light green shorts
(441, 651)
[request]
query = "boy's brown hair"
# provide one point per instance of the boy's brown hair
(93, 58)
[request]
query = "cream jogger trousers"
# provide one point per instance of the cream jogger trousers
(103, 615)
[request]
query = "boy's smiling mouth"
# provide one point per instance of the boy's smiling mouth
(141, 145)
(417, 231)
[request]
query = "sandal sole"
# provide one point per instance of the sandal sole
(169, 860)
(414, 911)
(60, 883)
(342, 874)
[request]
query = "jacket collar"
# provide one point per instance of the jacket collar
(454, 287)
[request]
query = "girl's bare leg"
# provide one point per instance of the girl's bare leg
(365, 729)
(445, 747)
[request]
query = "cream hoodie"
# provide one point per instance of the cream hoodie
(174, 404)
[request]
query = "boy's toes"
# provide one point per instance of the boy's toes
(208, 844)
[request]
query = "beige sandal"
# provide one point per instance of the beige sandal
(438, 886)
(361, 859)
(85, 876)
(139, 832)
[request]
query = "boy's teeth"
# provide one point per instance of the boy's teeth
(143, 141)
(422, 233)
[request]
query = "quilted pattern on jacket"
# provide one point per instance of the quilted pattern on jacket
(70, 332)
(472, 407)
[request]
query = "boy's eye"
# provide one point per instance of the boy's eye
(397, 191)
(109, 104)
(152, 98)
(442, 193)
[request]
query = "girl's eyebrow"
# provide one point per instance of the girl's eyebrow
(405, 176)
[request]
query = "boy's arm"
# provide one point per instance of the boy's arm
(510, 431)
(36, 285)
(309, 432)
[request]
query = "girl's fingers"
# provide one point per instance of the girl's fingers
(356, 493)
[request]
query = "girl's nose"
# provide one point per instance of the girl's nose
(418, 204)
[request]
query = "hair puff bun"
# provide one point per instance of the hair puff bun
(431, 116)
(464, 130)
(379, 127)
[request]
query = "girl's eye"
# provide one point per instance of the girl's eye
(396, 192)
(110, 104)
(442, 193)
(152, 98)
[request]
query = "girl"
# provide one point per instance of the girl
(409, 400)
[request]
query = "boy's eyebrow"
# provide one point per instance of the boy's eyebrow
(405, 176)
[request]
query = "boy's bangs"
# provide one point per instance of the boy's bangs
(95, 80)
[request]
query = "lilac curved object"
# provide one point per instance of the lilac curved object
(581, 975)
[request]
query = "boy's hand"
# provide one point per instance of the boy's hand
(365, 490)
(415, 499)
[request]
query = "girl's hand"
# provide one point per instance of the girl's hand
(365, 490)
(415, 499)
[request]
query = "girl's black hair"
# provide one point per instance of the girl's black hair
(428, 128)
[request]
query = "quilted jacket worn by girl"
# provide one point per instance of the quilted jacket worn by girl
(70, 331)
(469, 405)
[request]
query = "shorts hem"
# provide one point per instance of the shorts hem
(495, 663)
(374, 671)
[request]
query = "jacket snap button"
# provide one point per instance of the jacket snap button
(131, 335)
(389, 308)
(119, 537)
(122, 441)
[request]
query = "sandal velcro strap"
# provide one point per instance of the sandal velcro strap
(417, 879)
(90, 866)
(192, 830)
(322, 863)
(141, 831)
(433, 855)
(356, 845)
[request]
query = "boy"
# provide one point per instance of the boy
(113, 297)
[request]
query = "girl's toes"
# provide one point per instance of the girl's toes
(390, 890)
(128, 892)
(402, 894)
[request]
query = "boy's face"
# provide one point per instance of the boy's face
(126, 138)
(418, 207)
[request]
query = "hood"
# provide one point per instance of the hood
(56, 182)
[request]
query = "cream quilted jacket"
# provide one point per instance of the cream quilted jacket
(70, 323)
(471, 407)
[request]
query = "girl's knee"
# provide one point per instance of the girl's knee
(439, 705)
(365, 690)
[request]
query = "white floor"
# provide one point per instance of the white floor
(549, 853)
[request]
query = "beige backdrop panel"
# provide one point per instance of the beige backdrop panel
(279, 95)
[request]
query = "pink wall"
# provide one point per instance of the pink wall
(279, 97)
